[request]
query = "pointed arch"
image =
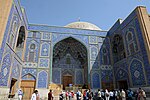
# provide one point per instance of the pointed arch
(70, 55)
(70, 45)
(5, 69)
(131, 39)
(136, 69)
(73, 38)
(21, 37)
(28, 76)
(129, 36)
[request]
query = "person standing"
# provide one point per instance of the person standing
(50, 95)
(130, 94)
(99, 94)
(107, 95)
(111, 95)
(123, 95)
(34, 95)
(66, 94)
(144, 94)
(70, 95)
(141, 94)
(78, 95)
(61, 96)
(20, 94)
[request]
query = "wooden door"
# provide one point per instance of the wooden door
(66, 81)
(27, 87)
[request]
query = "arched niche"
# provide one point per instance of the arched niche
(118, 48)
(70, 54)
(20, 41)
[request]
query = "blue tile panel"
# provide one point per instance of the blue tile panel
(5, 70)
(95, 80)
(121, 74)
(106, 76)
(16, 69)
(79, 77)
(45, 49)
(30, 71)
(44, 62)
(42, 79)
(93, 52)
(94, 65)
(46, 36)
(56, 76)
(137, 73)
(65, 30)
(29, 42)
(104, 52)
(143, 50)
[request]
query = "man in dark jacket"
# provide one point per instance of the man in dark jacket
(50, 95)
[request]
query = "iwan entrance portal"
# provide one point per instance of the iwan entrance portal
(70, 63)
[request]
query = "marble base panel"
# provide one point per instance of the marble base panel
(4, 92)
(43, 93)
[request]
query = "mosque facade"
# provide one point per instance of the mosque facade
(79, 55)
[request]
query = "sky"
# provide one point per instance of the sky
(102, 13)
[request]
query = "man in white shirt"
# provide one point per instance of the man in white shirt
(20, 94)
(123, 95)
(107, 95)
(111, 95)
(34, 95)
(99, 94)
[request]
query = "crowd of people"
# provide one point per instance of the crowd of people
(104, 95)
(90, 95)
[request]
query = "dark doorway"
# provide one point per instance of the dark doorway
(123, 84)
(66, 81)
(12, 88)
